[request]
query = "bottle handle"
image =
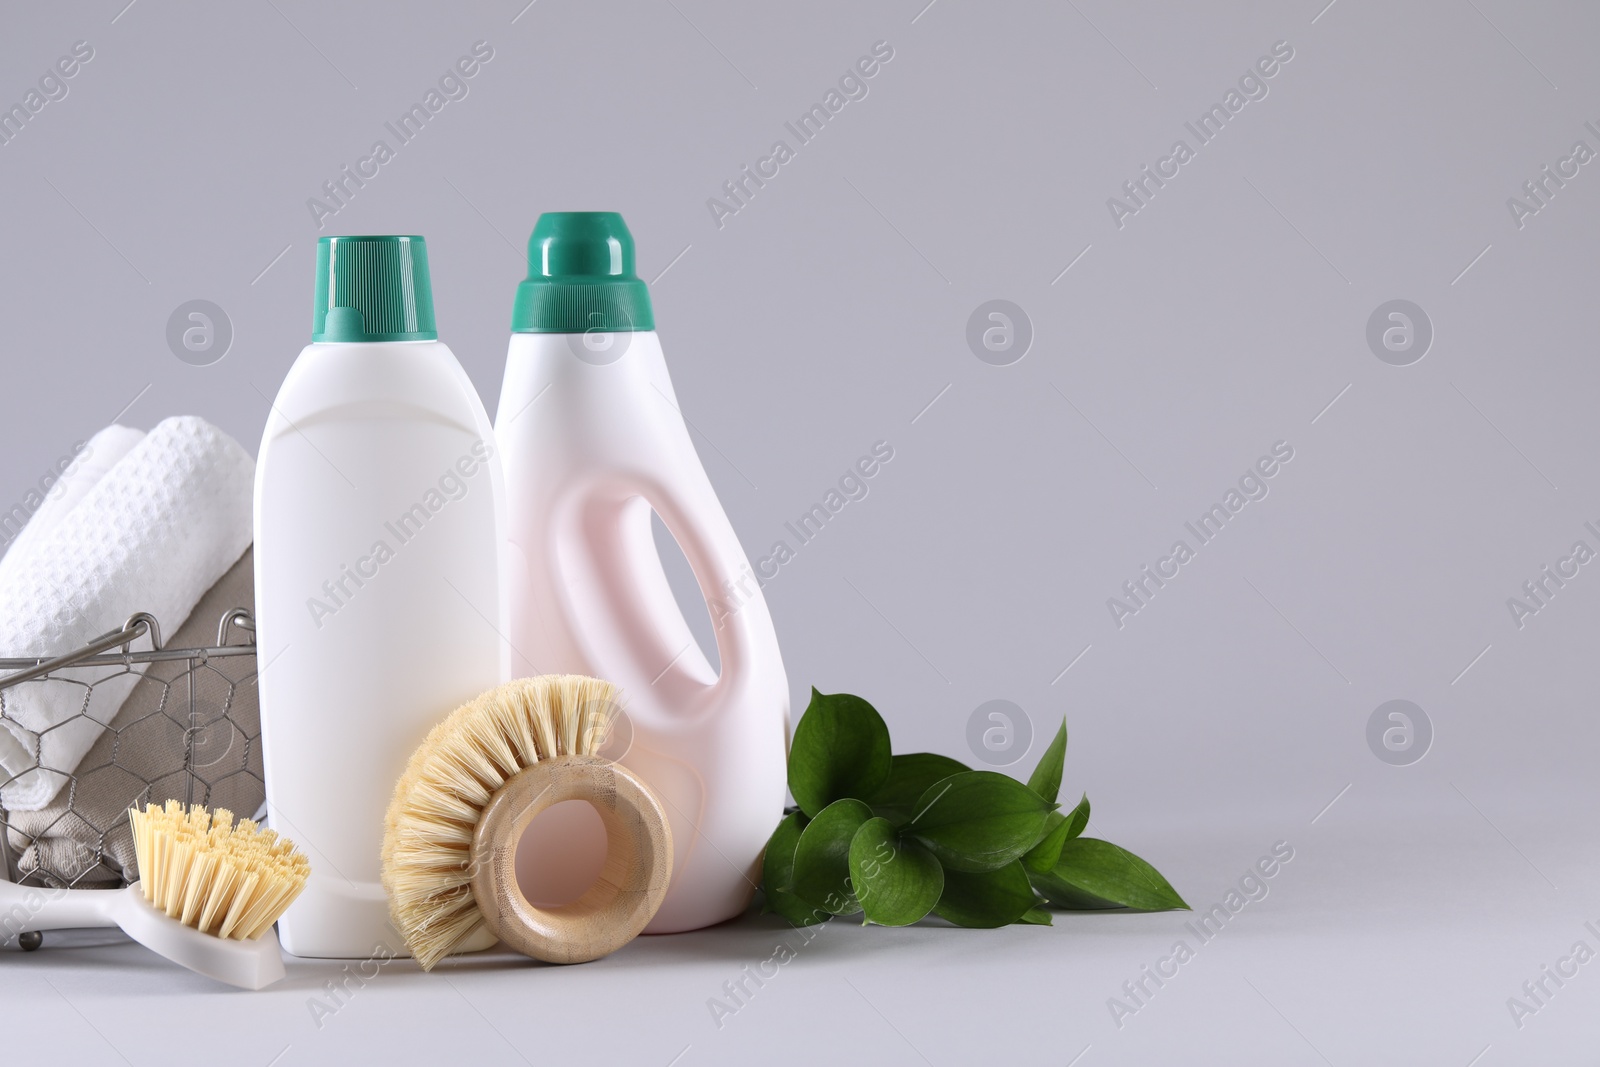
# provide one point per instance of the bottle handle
(710, 549)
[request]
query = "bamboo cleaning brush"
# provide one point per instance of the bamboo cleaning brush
(467, 795)
(208, 893)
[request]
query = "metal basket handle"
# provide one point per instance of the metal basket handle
(138, 625)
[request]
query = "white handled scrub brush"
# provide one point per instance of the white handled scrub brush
(208, 893)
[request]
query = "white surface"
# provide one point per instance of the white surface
(1386, 940)
(592, 439)
(377, 605)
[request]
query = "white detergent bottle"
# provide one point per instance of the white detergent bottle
(378, 522)
(592, 440)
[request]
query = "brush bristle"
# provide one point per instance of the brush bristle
(223, 878)
(427, 845)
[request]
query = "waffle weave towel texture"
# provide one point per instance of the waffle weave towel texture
(100, 453)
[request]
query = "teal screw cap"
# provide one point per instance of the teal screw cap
(581, 277)
(373, 289)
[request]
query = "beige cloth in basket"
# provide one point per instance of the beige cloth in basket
(82, 837)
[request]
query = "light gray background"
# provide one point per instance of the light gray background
(831, 313)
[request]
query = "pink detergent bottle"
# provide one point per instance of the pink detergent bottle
(592, 440)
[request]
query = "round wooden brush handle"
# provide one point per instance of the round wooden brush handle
(612, 911)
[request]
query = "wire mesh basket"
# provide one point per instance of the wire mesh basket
(189, 729)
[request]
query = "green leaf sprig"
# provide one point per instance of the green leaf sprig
(897, 838)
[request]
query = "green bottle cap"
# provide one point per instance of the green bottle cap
(373, 289)
(581, 277)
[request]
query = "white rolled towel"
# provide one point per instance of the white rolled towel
(153, 534)
(98, 455)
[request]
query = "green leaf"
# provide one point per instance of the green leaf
(1101, 870)
(1043, 856)
(1060, 829)
(979, 820)
(897, 882)
(1046, 777)
(840, 749)
(910, 776)
(1079, 817)
(777, 871)
(822, 857)
(1064, 896)
(1037, 917)
(987, 899)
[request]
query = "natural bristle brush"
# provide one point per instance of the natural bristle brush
(472, 788)
(209, 890)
